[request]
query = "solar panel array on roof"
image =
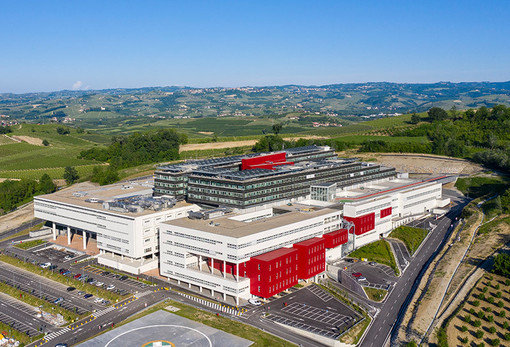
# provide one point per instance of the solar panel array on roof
(303, 149)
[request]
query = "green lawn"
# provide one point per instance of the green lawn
(30, 244)
(378, 251)
(376, 294)
(481, 186)
(412, 237)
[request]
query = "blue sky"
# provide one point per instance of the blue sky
(55, 45)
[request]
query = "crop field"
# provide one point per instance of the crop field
(24, 160)
(358, 139)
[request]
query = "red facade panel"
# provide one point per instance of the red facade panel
(312, 257)
(264, 161)
(386, 212)
(363, 223)
(272, 272)
(336, 238)
(230, 268)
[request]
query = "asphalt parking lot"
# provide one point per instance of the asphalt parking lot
(20, 316)
(46, 289)
(314, 310)
(377, 276)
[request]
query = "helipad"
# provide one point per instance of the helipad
(164, 329)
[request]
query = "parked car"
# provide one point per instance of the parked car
(110, 287)
(70, 289)
(59, 300)
(105, 302)
(104, 273)
(361, 279)
(98, 300)
(77, 276)
(99, 284)
(255, 302)
(89, 280)
(372, 263)
(81, 292)
(67, 272)
(357, 274)
(63, 270)
(69, 257)
(86, 296)
(61, 345)
(122, 278)
(84, 277)
(52, 267)
(45, 265)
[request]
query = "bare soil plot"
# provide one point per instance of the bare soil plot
(16, 218)
(31, 140)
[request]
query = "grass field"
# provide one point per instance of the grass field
(412, 237)
(30, 244)
(5, 140)
(477, 187)
(378, 251)
(376, 294)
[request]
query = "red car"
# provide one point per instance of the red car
(77, 276)
(356, 274)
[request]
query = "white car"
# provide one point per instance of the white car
(99, 284)
(255, 302)
(110, 287)
(45, 265)
(98, 300)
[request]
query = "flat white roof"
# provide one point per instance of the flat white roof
(78, 193)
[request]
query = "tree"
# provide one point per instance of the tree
(63, 130)
(70, 174)
(415, 119)
(502, 264)
(80, 130)
(45, 142)
(46, 184)
(437, 114)
(277, 128)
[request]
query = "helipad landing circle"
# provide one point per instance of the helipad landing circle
(160, 326)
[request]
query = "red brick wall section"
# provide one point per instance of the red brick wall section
(386, 212)
(363, 223)
(336, 238)
(273, 272)
(312, 257)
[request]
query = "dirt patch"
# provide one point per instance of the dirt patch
(424, 163)
(491, 321)
(16, 218)
(426, 300)
(206, 132)
(31, 140)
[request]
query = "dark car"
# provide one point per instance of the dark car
(52, 267)
(89, 280)
(86, 296)
(122, 278)
(104, 273)
(62, 271)
(70, 289)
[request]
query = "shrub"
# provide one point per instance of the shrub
(481, 296)
(476, 303)
(485, 289)
(463, 328)
(495, 342)
(479, 334)
(490, 318)
(501, 304)
(472, 311)
(492, 330)
(507, 336)
(481, 344)
(502, 313)
(488, 309)
(498, 295)
(477, 323)
(442, 338)
(507, 282)
(491, 300)
(506, 325)
(480, 314)
(497, 286)
(464, 340)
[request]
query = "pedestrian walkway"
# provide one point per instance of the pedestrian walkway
(103, 312)
(54, 334)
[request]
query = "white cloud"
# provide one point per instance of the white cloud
(77, 85)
